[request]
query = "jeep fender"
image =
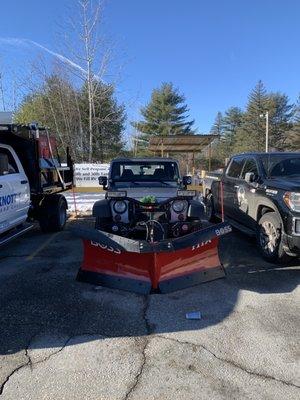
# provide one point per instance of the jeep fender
(102, 209)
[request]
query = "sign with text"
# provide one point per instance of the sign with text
(86, 175)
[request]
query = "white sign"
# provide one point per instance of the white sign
(86, 175)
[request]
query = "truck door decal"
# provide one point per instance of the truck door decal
(242, 199)
(8, 202)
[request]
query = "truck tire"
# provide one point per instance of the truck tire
(269, 238)
(210, 208)
(53, 214)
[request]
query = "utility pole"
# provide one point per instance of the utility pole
(266, 116)
(267, 131)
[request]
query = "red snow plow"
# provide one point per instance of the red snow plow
(149, 232)
(143, 267)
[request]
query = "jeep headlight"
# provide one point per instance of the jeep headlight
(119, 206)
(292, 200)
(179, 206)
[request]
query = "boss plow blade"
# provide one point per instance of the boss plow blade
(141, 266)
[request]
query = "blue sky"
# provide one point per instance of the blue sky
(213, 51)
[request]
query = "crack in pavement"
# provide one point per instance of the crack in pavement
(230, 362)
(140, 372)
(146, 342)
(10, 375)
(28, 362)
(32, 364)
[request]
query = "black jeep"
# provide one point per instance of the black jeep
(146, 198)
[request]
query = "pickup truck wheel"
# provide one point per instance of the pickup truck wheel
(269, 238)
(54, 216)
(210, 208)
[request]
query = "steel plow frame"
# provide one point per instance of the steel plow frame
(142, 267)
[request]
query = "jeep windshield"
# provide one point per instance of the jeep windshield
(144, 173)
(282, 165)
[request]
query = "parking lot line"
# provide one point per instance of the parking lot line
(42, 246)
(48, 241)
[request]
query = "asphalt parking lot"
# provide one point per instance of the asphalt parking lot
(61, 339)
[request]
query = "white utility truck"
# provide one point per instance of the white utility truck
(31, 179)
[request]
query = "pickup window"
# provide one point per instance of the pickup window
(234, 169)
(6, 155)
(250, 166)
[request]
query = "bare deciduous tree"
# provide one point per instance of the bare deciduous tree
(91, 55)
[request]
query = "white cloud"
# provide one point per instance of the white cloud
(26, 42)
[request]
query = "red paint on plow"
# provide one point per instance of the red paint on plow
(164, 271)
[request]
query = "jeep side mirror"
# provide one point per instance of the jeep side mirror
(250, 177)
(186, 180)
(4, 169)
(103, 181)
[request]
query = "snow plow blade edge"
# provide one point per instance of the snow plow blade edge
(142, 267)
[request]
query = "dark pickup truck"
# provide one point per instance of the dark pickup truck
(261, 196)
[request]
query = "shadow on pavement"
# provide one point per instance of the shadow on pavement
(41, 297)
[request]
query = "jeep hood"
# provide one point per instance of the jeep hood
(160, 193)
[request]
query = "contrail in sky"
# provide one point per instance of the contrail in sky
(24, 42)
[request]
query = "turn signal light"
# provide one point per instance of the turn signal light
(292, 200)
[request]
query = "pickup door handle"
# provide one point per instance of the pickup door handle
(24, 182)
(1, 186)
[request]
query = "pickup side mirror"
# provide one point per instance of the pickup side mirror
(103, 181)
(4, 168)
(186, 180)
(250, 177)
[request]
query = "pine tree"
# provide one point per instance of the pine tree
(217, 128)
(292, 136)
(166, 114)
(231, 122)
(227, 127)
(251, 135)
(280, 119)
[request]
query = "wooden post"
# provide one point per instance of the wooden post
(193, 163)
(209, 157)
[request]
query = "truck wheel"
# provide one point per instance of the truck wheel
(269, 238)
(53, 215)
(210, 208)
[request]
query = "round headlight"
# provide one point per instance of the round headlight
(179, 205)
(119, 206)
